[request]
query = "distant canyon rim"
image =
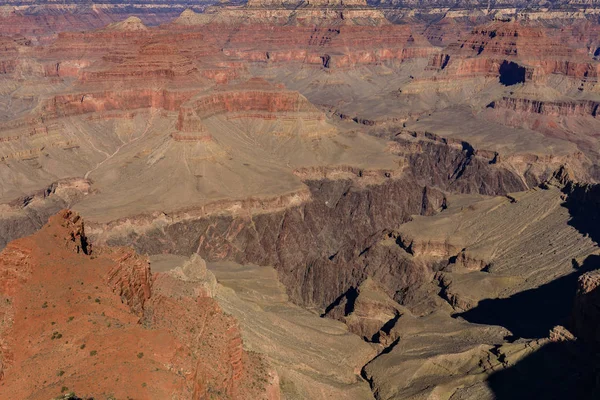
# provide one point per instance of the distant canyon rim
(300, 200)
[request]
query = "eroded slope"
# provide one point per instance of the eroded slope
(73, 312)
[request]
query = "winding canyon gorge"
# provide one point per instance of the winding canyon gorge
(316, 199)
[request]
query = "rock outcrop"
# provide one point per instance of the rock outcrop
(131, 24)
(551, 108)
(586, 314)
(69, 302)
(366, 310)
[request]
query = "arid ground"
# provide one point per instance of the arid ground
(300, 200)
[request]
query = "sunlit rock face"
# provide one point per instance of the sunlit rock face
(337, 200)
(93, 296)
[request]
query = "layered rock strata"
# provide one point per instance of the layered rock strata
(330, 267)
(290, 337)
(333, 13)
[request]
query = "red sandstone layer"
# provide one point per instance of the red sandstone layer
(540, 51)
(552, 108)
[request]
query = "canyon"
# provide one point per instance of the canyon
(299, 200)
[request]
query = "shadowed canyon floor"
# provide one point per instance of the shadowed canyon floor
(300, 200)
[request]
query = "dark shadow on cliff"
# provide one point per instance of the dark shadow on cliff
(533, 313)
(349, 297)
(583, 203)
(558, 370)
(511, 73)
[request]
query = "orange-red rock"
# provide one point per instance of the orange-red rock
(96, 321)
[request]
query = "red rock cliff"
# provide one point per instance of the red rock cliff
(71, 312)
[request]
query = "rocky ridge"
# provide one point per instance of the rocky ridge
(330, 13)
(116, 298)
(353, 193)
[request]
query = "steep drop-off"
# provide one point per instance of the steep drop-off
(66, 303)
(323, 246)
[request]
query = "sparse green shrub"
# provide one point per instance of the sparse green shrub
(68, 395)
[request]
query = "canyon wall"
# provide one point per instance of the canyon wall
(26, 215)
(554, 108)
(322, 247)
(583, 203)
(76, 104)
